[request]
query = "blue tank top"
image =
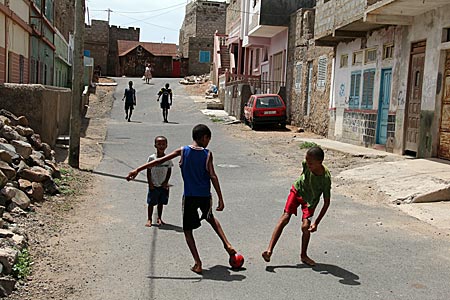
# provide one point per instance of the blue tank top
(197, 181)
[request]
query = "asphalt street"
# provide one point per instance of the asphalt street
(362, 251)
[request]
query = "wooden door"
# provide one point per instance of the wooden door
(413, 106)
(383, 108)
(444, 133)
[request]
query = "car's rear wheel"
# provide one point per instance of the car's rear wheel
(283, 125)
(253, 125)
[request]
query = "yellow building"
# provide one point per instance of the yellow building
(14, 41)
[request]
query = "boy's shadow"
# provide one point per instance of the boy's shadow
(222, 273)
(168, 227)
(170, 122)
(347, 277)
(216, 273)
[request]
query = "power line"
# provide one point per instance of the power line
(142, 12)
(149, 23)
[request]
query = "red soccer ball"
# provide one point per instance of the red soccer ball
(236, 261)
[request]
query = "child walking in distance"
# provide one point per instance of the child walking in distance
(166, 94)
(198, 173)
(314, 181)
(158, 182)
(130, 100)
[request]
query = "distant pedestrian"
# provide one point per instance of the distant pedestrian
(197, 170)
(148, 73)
(166, 101)
(130, 100)
(158, 181)
(314, 181)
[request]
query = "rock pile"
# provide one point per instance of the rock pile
(195, 79)
(27, 170)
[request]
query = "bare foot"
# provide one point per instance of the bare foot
(160, 222)
(231, 251)
(197, 268)
(266, 255)
(149, 223)
(308, 261)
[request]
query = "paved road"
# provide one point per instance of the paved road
(364, 252)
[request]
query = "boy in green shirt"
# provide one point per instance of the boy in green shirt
(314, 181)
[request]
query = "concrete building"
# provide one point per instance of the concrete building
(15, 41)
(391, 81)
(309, 69)
(42, 42)
(196, 41)
(101, 41)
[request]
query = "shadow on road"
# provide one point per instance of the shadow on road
(170, 227)
(216, 273)
(347, 277)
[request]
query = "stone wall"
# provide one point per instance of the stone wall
(202, 19)
(233, 16)
(96, 40)
(115, 34)
(195, 45)
(100, 39)
(301, 53)
(46, 108)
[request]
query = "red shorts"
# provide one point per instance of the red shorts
(294, 201)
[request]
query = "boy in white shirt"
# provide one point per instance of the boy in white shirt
(158, 182)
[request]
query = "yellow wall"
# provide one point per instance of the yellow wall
(20, 8)
(2, 30)
(18, 39)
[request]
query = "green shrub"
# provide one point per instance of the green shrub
(22, 267)
(307, 145)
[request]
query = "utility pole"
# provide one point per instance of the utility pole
(77, 83)
(109, 14)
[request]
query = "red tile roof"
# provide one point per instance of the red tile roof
(157, 49)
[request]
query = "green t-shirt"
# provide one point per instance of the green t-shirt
(310, 186)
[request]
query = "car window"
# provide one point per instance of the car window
(268, 102)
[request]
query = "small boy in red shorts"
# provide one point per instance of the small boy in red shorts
(314, 181)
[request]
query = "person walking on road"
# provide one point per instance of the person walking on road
(197, 170)
(314, 181)
(130, 100)
(166, 101)
(158, 182)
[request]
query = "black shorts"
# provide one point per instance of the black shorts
(191, 218)
(129, 106)
(165, 104)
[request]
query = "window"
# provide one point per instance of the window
(355, 85)
(371, 56)
(268, 102)
(204, 56)
(367, 92)
(322, 72)
(298, 75)
(344, 61)
(357, 58)
(388, 51)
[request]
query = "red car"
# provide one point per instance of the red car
(265, 109)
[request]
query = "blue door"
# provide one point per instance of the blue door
(383, 108)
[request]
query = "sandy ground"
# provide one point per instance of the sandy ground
(53, 218)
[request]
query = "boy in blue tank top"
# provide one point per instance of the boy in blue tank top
(198, 173)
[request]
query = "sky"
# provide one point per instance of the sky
(158, 20)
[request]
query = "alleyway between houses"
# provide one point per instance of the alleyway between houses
(364, 247)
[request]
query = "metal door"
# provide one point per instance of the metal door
(444, 135)
(383, 107)
(413, 105)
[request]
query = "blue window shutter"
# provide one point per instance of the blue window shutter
(355, 85)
